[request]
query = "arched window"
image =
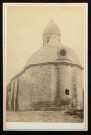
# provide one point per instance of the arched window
(47, 39)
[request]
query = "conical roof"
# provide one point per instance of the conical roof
(51, 28)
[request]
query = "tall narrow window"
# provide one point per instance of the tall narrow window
(67, 92)
(47, 39)
(20, 92)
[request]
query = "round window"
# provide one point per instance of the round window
(63, 52)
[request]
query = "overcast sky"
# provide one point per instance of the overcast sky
(25, 25)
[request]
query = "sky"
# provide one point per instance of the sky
(25, 25)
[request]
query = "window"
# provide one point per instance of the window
(62, 52)
(47, 39)
(67, 91)
(20, 92)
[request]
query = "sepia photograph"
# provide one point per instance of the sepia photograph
(45, 53)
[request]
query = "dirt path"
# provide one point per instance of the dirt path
(41, 116)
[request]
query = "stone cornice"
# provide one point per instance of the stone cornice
(18, 74)
(47, 63)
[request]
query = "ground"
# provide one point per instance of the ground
(42, 116)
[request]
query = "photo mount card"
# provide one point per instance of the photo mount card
(45, 66)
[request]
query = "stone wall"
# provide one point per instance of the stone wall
(64, 82)
(53, 82)
(74, 87)
(8, 100)
(41, 85)
(77, 93)
(47, 37)
(79, 89)
(14, 96)
(35, 86)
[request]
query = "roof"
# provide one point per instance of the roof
(51, 53)
(51, 28)
(18, 74)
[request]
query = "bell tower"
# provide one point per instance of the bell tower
(50, 31)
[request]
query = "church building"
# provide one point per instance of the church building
(51, 78)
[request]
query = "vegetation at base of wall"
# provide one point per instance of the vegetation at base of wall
(76, 113)
(61, 102)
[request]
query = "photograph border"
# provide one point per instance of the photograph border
(4, 61)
